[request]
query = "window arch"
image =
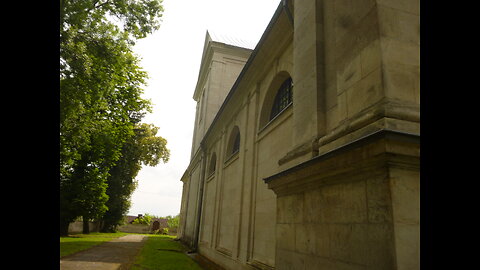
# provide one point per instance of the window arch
(283, 98)
(279, 96)
(233, 142)
(213, 164)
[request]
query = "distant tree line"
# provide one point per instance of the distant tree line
(103, 143)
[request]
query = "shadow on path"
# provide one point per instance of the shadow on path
(117, 254)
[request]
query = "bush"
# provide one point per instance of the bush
(161, 231)
(145, 219)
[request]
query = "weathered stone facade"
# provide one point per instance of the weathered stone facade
(332, 181)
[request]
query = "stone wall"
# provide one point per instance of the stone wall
(134, 228)
(333, 181)
(355, 208)
(77, 227)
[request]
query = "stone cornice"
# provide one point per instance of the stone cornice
(379, 149)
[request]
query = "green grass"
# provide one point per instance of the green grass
(77, 242)
(161, 252)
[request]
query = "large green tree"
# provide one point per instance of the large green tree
(100, 95)
(144, 148)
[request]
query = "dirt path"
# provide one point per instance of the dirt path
(117, 254)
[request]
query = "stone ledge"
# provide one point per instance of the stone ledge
(260, 266)
(386, 114)
(349, 161)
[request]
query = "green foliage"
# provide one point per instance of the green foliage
(145, 219)
(142, 148)
(173, 221)
(100, 96)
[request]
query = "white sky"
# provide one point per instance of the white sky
(172, 58)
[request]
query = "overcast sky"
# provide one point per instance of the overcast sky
(172, 58)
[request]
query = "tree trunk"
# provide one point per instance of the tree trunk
(106, 227)
(86, 227)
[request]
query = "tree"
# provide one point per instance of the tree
(173, 222)
(142, 148)
(100, 96)
(144, 219)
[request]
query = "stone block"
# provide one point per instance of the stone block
(285, 235)
(410, 6)
(349, 242)
(399, 25)
(330, 88)
(322, 240)
(407, 245)
(289, 260)
(313, 209)
(305, 238)
(370, 58)
(365, 93)
(397, 54)
(333, 118)
(349, 74)
(344, 203)
(405, 190)
(378, 200)
(400, 84)
(290, 209)
(362, 34)
(349, 13)
(342, 110)
(380, 250)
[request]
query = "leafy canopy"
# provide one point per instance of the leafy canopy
(100, 95)
(142, 148)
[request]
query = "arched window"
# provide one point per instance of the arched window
(283, 98)
(234, 142)
(278, 97)
(212, 165)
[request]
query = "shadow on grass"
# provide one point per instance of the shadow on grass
(77, 242)
(70, 248)
(114, 252)
(162, 252)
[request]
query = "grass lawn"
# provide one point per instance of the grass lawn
(77, 242)
(161, 252)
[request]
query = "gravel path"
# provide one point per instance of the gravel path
(117, 254)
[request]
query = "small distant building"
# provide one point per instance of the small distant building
(130, 219)
(159, 223)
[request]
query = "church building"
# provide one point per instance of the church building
(306, 147)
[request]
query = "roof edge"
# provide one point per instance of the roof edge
(265, 34)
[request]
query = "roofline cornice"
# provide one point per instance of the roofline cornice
(210, 47)
(251, 59)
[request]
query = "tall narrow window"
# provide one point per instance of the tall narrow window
(236, 144)
(213, 164)
(233, 142)
(283, 98)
